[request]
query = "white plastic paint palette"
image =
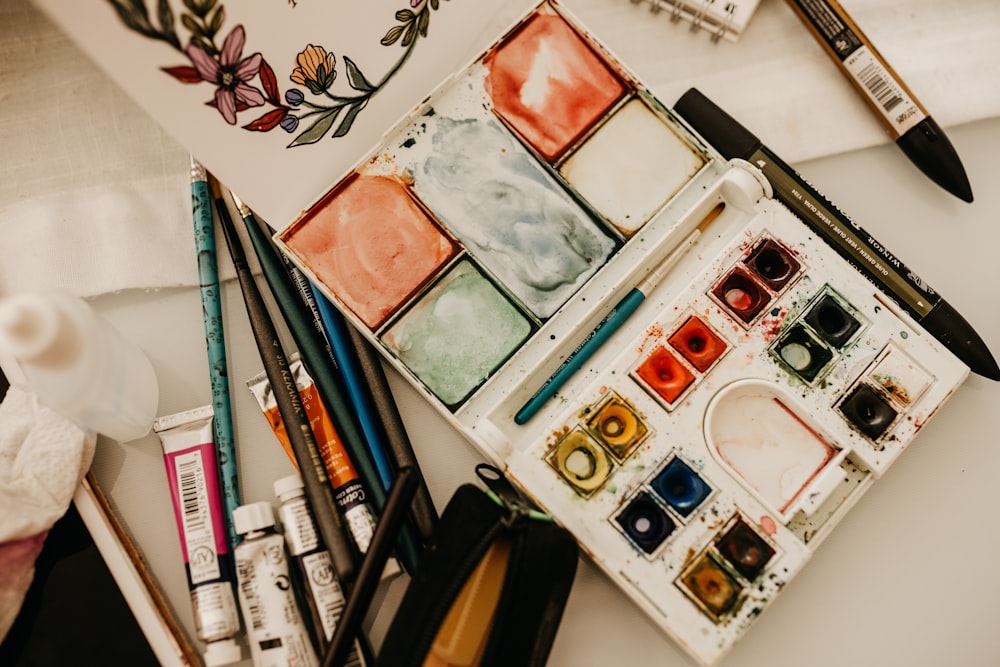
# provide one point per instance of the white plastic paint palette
(707, 448)
(765, 394)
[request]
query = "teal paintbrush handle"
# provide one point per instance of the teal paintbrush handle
(611, 323)
(215, 342)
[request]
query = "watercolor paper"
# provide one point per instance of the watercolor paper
(294, 127)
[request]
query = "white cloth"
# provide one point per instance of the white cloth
(94, 195)
(43, 458)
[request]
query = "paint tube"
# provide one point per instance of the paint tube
(189, 457)
(276, 631)
(323, 593)
(348, 490)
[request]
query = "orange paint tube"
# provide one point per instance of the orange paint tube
(349, 491)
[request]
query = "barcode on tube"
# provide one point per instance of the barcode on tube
(245, 574)
(189, 477)
(874, 78)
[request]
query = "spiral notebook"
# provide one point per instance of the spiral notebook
(719, 18)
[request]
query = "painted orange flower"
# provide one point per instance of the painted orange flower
(315, 69)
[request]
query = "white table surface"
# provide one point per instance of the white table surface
(907, 578)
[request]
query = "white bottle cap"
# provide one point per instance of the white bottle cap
(255, 516)
(222, 652)
(289, 487)
(29, 325)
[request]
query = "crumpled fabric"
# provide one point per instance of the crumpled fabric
(43, 458)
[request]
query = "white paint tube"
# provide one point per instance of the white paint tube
(276, 630)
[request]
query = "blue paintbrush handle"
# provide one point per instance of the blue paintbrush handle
(611, 322)
(358, 391)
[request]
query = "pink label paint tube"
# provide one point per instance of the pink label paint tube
(189, 457)
(312, 563)
(276, 629)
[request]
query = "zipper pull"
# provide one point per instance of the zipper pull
(506, 494)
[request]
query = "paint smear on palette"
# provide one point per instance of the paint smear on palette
(549, 85)
(631, 166)
(513, 217)
(458, 333)
(759, 435)
(371, 245)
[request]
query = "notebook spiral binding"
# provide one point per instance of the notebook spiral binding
(721, 18)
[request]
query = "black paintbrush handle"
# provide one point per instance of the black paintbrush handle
(396, 509)
(293, 414)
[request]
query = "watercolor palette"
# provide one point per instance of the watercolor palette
(706, 449)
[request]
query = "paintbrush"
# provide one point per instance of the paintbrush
(286, 395)
(310, 337)
(612, 322)
(215, 341)
(400, 448)
(397, 505)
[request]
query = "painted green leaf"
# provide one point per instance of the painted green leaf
(318, 129)
(218, 18)
(166, 18)
(198, 40)
(392, 36)
(190, 24)
(140, 7)
(404, 16)
(134, 18)
(352, 113)
(356, 78)
(411, 34)
(423, 22)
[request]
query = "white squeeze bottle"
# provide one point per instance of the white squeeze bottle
(79, 364)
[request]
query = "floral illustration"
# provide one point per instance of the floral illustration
(243, 82)
(230, 73)
(316, 69)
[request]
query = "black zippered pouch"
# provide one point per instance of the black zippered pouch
(491, 585)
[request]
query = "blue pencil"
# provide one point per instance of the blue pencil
(208, 278)
(610, 324)
(356, 384)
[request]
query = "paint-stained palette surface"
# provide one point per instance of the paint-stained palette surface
(713, 442)
(767, 405)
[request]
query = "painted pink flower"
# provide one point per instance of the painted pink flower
(229, 73)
